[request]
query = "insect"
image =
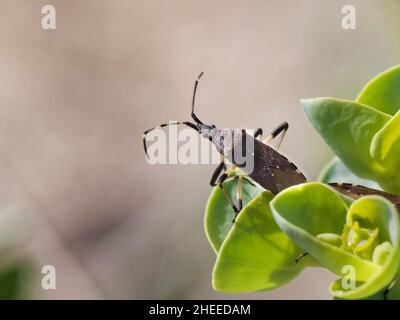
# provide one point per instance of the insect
(268, 168)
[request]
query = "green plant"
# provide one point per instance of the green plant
(358, 240)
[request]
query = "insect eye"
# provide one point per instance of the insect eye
(213, 126)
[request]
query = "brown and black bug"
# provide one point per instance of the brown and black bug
(268, 168)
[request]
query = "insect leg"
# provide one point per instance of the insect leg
(244, 177)
(301, 257)
(239, 196)
(217, 173)
(239, 190)
(221, 174)
(258, 133)
(228, 198)
(282, 128)
(163, 125)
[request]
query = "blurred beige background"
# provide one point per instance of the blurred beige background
(74, 102)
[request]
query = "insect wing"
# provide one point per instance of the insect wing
(357, 191)
(268, 168)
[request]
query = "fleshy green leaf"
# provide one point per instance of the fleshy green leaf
(307, 210)
(336, 171)
(375, 212)
(348, 128)
(382, 92)
(363, 134)
(256, 255)
(363, 138)
(394, 293)
(311, 214)
(219, 214)
(385, 146)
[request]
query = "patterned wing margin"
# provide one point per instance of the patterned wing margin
(356, 191)
(285, 173)
(270, 169)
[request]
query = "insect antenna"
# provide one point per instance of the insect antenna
(196, 83)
